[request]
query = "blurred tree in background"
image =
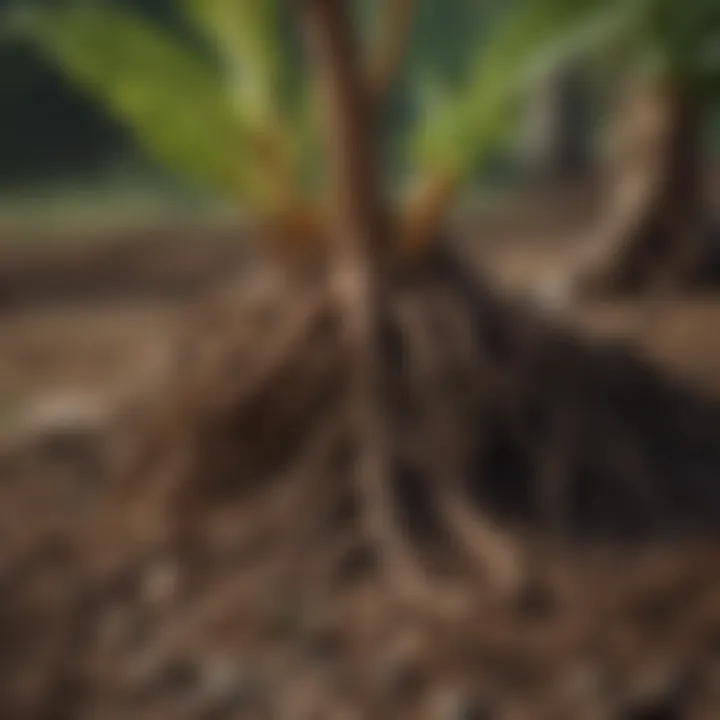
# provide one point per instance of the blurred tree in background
(662, 63)
(557, 142)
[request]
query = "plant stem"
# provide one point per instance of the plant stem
(361, 246)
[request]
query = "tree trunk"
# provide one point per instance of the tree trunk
(555, 143)
(654, 236)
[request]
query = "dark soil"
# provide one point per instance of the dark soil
(180, 538)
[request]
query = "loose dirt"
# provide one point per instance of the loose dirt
(180, 540)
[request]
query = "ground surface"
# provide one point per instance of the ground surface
(87, 322)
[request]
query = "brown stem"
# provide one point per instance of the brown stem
(349, 128)
(424, 212)
(361, 242)
(391, 49)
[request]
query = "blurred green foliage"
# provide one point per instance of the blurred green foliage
(220, 112)
(680, 40)
(71, 129)
(215, 89)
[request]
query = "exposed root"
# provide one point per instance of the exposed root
(490, 421)
(239, 527)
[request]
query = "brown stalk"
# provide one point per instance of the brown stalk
(424, 212)
(395, 34)
(361, 244)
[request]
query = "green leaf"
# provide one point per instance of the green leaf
(537, 35)
(245, 36)
(174, 101)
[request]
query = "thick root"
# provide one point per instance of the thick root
(490, 421)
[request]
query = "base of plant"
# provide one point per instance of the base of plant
(495, 424)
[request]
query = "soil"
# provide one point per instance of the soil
(145, 573)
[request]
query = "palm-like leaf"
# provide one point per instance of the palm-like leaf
(453, 135)
(246, 37)
(244, 33)
(174, 100)
(223, 123)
